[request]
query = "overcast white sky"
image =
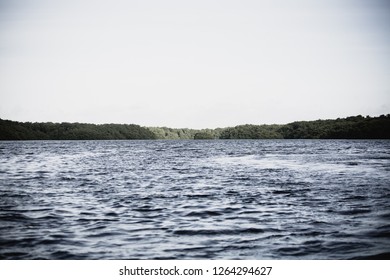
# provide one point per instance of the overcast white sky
(198, 64)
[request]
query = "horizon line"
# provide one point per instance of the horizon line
(164, 126)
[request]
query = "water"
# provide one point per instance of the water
(298, 199)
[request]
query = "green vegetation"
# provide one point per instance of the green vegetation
(185, 133)
(250, 131)
(203, 136)
(357, 127)
(10, 130)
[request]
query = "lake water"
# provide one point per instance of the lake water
(244, 199)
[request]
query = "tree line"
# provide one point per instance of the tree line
(357, 127)
(185, 133)
(11, 130)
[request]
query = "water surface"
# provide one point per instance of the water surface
(244, 199)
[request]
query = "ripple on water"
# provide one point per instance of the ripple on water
(192, 199)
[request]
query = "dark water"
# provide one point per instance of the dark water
(302, 199)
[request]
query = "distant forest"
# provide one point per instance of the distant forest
(10, 130)
(357, 127)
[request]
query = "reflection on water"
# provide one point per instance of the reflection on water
(271, 199)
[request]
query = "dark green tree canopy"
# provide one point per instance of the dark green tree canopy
(357, 127)
(10, 130)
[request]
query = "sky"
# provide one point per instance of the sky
(194, 64)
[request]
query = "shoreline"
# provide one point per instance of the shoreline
(355, 127)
